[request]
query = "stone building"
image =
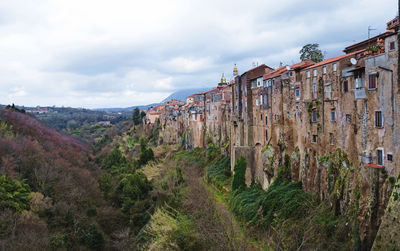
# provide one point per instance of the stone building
(333, 123)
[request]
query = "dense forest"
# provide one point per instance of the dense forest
(72, 120)
(116, 189)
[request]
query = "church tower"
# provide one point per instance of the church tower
(223, 80)
(235, 71)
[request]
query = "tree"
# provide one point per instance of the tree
(94, 238)
(132, 188)
(142, 114)
(137, 118)
(312, 52)
(14, 194)
(115, 162)
(146, 154)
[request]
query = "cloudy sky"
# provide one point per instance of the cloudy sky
(115, 53)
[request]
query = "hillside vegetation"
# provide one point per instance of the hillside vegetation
(122, 191)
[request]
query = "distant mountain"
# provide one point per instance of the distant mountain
(182, 94)
(179, 95)
(128, 109)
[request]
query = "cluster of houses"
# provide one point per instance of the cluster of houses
(40, 110)
(346, 107)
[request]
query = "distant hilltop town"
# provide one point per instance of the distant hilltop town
(334, 123)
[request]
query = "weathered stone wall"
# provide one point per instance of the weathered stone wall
(326, 153)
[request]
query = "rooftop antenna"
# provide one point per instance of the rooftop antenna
(369, 31)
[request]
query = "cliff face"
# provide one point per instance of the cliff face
(334, 123)
(387, 237)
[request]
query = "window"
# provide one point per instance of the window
(314, 138)
(254, 83)
(359, 83)
(314, 91)
(324, 70)
(379, 156)
(348, 118)
(256, 102)
(275, 116)
(261, 117)
(331, 138)
(378, 119)
(372, 81)
(265, 101)
(315, 72)
(392, 45)
(314, 115)
(266, 120)
(328, 92)
(345, 86)
(259, 82)
(266, 135)
(308, 74)
(334, 67)
(297, 93)
(333, 116)
(390, 157)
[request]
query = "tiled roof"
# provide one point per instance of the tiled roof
(275, 73)
(255, 68)
(331, 60)
(302, 64)
(368, 41)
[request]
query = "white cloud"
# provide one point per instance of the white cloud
(101, 53)
(164, 84)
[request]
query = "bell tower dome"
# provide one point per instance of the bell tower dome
(235, 71)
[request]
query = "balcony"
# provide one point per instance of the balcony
(360, 93)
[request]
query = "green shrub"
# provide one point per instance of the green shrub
(239, 177)
(193, 157)
(94, 239)
(220, 172)
(105, 184)
(91, 209)
(282, 200)
(116, 163)
(169, 230)
(212, 151)
(14, 194)
(392, 180)
(146, 154)
(132, 188)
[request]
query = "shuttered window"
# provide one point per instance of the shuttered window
(314, 115)
(392, 45)
(372, 81)
(378, 119)
(379, 157)
(345, 86)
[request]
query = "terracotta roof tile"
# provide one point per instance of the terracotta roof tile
(302, 64)
(275, 73)
(334, 59)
